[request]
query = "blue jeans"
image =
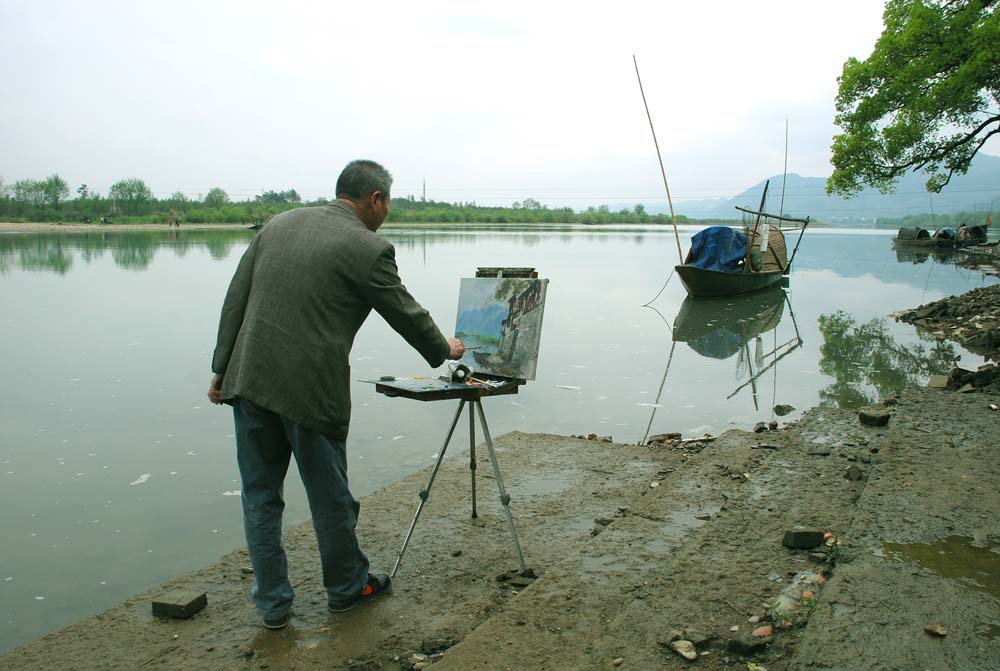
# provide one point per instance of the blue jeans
(265, 442)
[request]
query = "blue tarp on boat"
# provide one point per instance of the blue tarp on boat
(717, 248)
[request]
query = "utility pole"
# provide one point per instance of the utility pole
(423, 198)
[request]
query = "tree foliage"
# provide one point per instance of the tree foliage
(132, 200)
(216, 198)
(925, 99)
(55, 190)
(132, 195)
(29, 192)
(279, 197)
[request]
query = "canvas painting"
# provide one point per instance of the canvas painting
(502, 320)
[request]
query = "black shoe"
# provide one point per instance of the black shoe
(279, 622)
(376, 586)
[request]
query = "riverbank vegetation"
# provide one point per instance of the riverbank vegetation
(933, 222)
(132, 201)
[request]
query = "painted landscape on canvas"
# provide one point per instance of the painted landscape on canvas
(502, 320)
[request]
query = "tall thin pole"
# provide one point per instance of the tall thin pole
(673, 219)
(781, 208)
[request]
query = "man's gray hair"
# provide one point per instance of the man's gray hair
(361, 178)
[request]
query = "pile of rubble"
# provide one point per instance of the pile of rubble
(972, 320)
(985, 378)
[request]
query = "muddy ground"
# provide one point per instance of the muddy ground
(636, 547)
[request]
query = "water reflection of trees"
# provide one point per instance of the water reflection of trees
(867, 363)
(131, 250)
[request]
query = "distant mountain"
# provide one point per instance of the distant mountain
(806, 196)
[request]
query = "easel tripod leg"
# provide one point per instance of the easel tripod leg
(504, 497)
(424, 493)
(472, 456)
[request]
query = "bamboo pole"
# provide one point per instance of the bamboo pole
(673, 219)
(784, 175)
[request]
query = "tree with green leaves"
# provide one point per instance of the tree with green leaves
(55, 189)
(132, 195)
(216, 198)
(29, 192)
(927, 98)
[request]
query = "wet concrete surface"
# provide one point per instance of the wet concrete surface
(634, 547)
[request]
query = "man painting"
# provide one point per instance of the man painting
(302, 290)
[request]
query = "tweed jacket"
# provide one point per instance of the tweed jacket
(304, 287)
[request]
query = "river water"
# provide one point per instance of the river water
(116, 473)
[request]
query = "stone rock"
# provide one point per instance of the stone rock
(663, 438)
(745, 644)
(819, 451)
(696, 637)
(760, 427)
(180, 604)
(781, 409)
(890, 400)
(936, 630)
(685, 649)
(764, 631)
(937, 382)
(965, 389)
(772, 425)
(618, 661)
(434, 646)
(802, 539)
(853, 472)
(675, 635)
(874, 416)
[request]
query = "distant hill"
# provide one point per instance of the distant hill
(806, 196)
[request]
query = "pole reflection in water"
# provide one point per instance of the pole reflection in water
(719, 328)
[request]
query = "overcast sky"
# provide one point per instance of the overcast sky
(491, 102)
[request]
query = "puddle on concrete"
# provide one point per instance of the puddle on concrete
(954, 557)
(615, 564)
(680, 522)
(542, 485)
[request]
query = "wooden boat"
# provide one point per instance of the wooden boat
(914, 237)
(764, 264)
(726, 262)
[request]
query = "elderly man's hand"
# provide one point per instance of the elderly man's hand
(215, 389)
(457, 348)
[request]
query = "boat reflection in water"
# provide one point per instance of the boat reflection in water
(735, 326)
(917, 255)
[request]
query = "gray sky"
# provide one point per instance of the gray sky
(488, 102)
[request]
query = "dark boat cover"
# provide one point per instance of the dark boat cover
(717, 248)
(913, 233)
(945, 234)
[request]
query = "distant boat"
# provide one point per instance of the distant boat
(726, 262)
(914, 237)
